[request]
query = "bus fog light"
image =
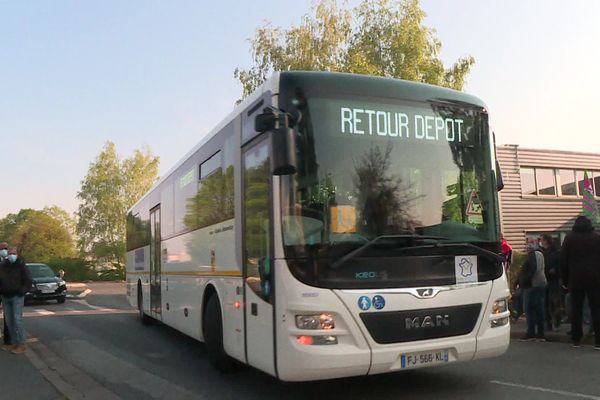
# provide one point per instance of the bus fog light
(316, 321)
(499, 322)
(316, 340)
(500, 306)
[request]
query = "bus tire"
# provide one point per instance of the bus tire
(140, 303)
(213, 336)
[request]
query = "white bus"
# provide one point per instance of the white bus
(333, 225)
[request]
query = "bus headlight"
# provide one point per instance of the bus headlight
(315, 321)
(500, 306)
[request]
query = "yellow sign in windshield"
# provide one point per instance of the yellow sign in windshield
(343, 219)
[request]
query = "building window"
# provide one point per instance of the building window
(580, 180)
(528, 181)
(596, 180)
(546, 182)
(567, 182)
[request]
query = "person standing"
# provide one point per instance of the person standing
(552, 271)
(507, 252)
(580, 271)
(532, 280)
(5, 333)
(15, 281)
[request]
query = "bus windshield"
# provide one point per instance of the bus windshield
(378, 173)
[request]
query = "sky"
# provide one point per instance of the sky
(75, 74)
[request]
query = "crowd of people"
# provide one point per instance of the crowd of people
(556, 282)
(15, 281)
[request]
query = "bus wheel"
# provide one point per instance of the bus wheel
(213, 336)
(140, 303)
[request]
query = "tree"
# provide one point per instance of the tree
(110, 187)
(384, 200)
(39, 235)
(386, 38)
(66, 220)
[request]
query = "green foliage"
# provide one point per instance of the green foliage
(110, 187)
(76, 269)
(519, 258)
(214, 201)
(385, 37)
(257, 209)
(39, 235)
(455, 207)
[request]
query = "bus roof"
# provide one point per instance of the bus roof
(376, 86)
(367, 85)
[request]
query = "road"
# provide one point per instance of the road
(102, 337)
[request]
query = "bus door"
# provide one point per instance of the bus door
(155, 264)
(258, 256)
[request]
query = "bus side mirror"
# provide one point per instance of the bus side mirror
(283, 159)
(499, 180)
(283, 141)
(267, 121)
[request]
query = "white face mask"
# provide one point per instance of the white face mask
(12, 258)
(3, 253)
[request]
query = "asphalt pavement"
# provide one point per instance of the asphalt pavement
(96, 348)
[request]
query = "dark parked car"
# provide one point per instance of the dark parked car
(46, 284)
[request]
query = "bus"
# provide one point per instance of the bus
(332, 225)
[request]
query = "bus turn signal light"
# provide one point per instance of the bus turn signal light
(316, 340)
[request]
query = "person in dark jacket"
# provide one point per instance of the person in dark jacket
(580, 272)
(532, 281)
(15, 281)
(5, 333)
(552, 271)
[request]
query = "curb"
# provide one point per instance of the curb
(79, 295)
(69, 381)
(76, 285)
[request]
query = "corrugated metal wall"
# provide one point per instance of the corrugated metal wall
(521, 214)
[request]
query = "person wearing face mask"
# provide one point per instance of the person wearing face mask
(15, 280)
(5, 333)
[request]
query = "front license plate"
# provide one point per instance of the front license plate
(412, 360)
(45, 291)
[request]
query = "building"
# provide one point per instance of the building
(542, 191)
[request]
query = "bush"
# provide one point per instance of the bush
(117, 274)
(76, 269)
(519, 258)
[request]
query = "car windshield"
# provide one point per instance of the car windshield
(40, 271)
(387, 172)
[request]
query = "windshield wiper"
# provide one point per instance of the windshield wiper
(414, 237)
(475, 249)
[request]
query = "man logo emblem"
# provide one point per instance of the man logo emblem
(425, 292)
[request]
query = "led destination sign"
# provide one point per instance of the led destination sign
(364, 121)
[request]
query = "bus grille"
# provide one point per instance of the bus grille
(413, 325)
